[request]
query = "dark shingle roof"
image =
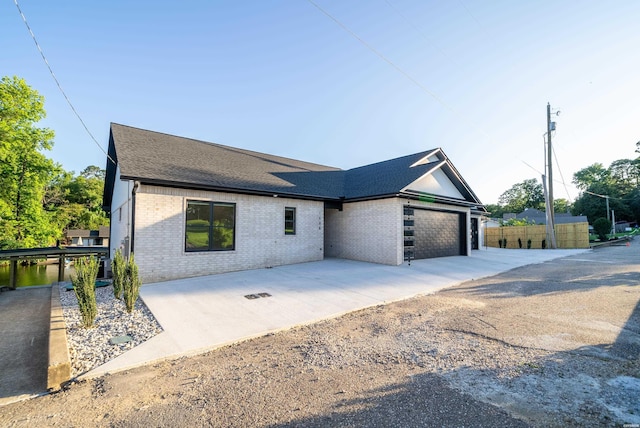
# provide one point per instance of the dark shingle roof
(163, 159)
(156, 157)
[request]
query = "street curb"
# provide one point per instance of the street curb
(59, 367)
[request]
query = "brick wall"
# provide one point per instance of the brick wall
(260, 240)
(369, 231)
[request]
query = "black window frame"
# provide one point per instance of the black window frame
(211, 227)
(290, 230)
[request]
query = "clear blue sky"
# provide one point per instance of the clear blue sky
(281, 77)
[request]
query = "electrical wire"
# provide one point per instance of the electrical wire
(44, 58)
(397, 68)
(417, 30)
(560, 171)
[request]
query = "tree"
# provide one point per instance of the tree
(76, 201)
(24, 170)
(595, 174)
(561, 205)
(527, 194)
(495, 210)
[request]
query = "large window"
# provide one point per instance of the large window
(210, 226)
(289, 221)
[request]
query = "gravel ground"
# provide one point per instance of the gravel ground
(550, 345)
(92, 347)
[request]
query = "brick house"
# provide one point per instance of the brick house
(188, 208)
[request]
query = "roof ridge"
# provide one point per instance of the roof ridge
(226, 147)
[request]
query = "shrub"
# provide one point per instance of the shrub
(602, 227)
(528, 244)
(118, 268)
(131, 284)
(84, 283)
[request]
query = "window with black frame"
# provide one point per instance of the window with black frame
(289, 221)
(210, 226)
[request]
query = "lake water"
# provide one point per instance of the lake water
(34, 275)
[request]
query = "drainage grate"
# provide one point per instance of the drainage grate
(257, 296)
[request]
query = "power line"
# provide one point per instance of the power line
(397, 68)
(44, 58)
(560, 171)
(416, 29)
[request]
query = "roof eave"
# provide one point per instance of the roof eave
(224, 189)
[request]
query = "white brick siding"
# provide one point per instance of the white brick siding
(372, 231)
(260, 241)
(369, 231)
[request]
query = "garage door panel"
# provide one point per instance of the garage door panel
(437, 234)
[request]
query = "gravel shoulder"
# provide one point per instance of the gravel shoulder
(555, 344)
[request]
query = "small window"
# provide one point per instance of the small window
(210, 226)
(289, 221)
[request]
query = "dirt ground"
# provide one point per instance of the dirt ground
(554, 344)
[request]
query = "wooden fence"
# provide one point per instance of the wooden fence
(572, 235)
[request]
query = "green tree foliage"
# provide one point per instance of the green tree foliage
(495, 210)
(619, 182)
(76, 201)
(527, 194)
(38, 199)
(84, 286)
(602, 227)
(24, 169)
(515, 222)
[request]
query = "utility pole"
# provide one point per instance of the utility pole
(551, 126)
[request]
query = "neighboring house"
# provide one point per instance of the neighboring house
(625, 226)
(539, 217)
(188, 208)
(88, 238)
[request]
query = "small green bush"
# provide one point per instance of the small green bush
(131, 284)
(84, 285)
(118, 268)
(602, 227)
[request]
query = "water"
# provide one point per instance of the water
(34, 275)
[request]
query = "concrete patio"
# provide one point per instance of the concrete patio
(204, 313)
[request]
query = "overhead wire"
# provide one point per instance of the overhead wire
(398, 69)
(417, 30)
(44, 58)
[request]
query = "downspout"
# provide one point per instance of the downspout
(136, 187)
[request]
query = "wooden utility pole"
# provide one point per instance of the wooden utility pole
(551, 126)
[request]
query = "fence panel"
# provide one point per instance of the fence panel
(572, 235)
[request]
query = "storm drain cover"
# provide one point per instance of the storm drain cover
(257, 296)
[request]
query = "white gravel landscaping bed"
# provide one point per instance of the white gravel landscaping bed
(91, 347)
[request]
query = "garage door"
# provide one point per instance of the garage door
(435, 233)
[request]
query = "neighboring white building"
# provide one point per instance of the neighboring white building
(188, 208)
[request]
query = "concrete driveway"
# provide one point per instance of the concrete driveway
(204, 313)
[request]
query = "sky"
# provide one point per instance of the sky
(342, 83)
